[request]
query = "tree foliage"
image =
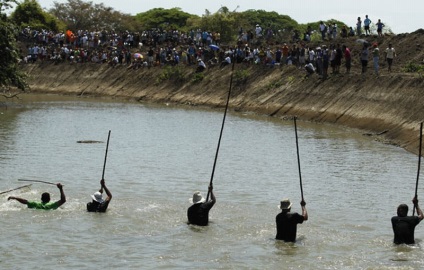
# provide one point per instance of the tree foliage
(6, 4)
(223, 21)
(268, 19)
(80, 15)
(162, 18)
(10, 75)
(29, 13)
(229, 23)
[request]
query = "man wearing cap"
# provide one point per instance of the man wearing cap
(404, 225)
(198, 213)
(45, 200)
(99, 204)
(287, 221)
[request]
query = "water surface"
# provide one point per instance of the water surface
(159, 155)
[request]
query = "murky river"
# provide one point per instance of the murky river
(159, 155)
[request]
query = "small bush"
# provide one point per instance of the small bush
(274, 85)
(290, 79)
(171, 73)
(198, 77)
(411, 67)
(241, 76)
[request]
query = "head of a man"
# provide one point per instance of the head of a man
(402, 210)
(285, 205)
(45, 197)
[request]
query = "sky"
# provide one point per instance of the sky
(401, 16)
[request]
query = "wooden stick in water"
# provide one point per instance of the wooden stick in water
(37, 181)
(419, 164)
(15, 189)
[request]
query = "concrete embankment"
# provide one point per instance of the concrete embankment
(389, 107)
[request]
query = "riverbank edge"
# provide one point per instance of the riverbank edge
(388, 108)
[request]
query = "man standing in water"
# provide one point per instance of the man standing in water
(287, 222)
(45, 200)
(99, 204)
(403, 225)
(198, 213)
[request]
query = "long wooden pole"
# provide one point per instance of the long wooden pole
(419, 163)
(107, 147)
(222, 129)
(37, 181)
(298, 158)
(15, 189)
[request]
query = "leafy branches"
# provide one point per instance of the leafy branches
(80, 15)
(10, 75)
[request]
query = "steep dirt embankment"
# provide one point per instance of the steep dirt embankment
(389, 107)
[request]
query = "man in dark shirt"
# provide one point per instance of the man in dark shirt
(287, 222)
(198, 213)
(99, 204)
(404, 225)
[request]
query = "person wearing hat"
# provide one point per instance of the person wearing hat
(404, 225)
(45, 200)
(287, 221)
(99, 204)
(200, 65)
(198, 213)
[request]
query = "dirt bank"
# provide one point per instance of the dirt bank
(388, 107)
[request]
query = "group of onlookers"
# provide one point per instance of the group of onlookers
(322, 58)
(199, 48)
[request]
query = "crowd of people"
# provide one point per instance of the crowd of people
(202, 49)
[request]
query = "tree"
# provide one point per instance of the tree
(223, 21)
(267, 19)
(10, 75)
(29, 13)
(80, 15)
(162, 18)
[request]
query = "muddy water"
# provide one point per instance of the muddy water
(159, 155)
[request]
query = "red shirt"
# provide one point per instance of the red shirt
(347, 54)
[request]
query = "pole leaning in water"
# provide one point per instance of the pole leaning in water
(15, 189)
(298, 158)
(107, 147)
(222, 129)
(37, 181)
(419, 163)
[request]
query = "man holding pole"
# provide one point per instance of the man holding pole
(198, 213)
(45, 200)
(287, 221)
(99, 204)
(404, 225)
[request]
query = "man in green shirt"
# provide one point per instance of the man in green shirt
(45, 200)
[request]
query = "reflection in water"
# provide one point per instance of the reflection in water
(159, 155)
